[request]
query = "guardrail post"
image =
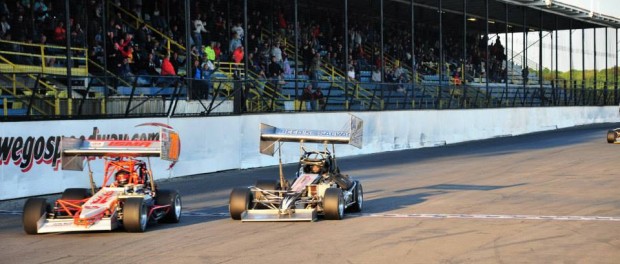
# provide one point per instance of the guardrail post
(42, 58)
(14, 83)
(57, 106)
(69, 106)
(4, 106)
(103, 105)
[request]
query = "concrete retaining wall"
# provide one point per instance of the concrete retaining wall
(29, 150)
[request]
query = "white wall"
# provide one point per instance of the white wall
(210, 144)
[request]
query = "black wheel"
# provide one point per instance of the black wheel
(135, 215)
(34, 209)
(240, 199)
(359, 198)
(611, 136)
(75, 194)
(333, 204)
(172, 198)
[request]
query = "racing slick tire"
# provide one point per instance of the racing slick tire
(611, 136)
(172, 198)
(264, 185)
(333, 204)
(135, 215)
(240, 199)
(75, 194)
(34, 209)
(359, 198)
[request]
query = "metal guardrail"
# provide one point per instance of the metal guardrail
(152, 96)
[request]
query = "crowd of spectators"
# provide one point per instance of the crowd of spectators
(141, 51)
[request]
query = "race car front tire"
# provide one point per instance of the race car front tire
(240, 199)
(611, 136)
(333, 204)
(135, 215)
(75, 194)
(359, 198)
(172, 198)
(34, 209)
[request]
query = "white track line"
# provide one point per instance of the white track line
(493, 216)
(432, 216)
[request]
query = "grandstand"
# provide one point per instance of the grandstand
(104, 58)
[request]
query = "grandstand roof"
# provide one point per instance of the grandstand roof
(551, 9)
(570, 11)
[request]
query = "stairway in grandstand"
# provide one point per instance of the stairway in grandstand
(30, 78)
(341, 95)
(223, 78)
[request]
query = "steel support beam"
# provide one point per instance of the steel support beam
(486, 46)
(540, 59)
(413, 58)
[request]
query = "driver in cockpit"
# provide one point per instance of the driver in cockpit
(314, 169)
(121, 178)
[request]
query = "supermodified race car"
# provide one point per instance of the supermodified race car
(128, 196)
(613, 135)
(318, 189)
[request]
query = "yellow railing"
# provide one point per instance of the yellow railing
(28, 60)
(138, 21)
(330, 70)
(109, 73)
(42, 59)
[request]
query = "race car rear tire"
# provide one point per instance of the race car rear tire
(333, 204)
(240, 199)
(75, 194)
(172, 198)
(611, 136)
(34, 209)
(359, 198)
(135, 215)
(264, 185)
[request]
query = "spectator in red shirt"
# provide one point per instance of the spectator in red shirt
(167, 70)
(238, 54)
(60, 33)
(166, 67)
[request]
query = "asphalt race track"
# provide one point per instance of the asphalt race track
(551, 197)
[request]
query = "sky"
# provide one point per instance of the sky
(606, 7)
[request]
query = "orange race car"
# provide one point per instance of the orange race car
(128, 196)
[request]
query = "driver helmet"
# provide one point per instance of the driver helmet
(122, 177)
(315, 168)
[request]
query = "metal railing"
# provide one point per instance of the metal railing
(157, 96)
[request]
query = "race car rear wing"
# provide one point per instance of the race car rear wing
(74, 150)
(269, 135)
